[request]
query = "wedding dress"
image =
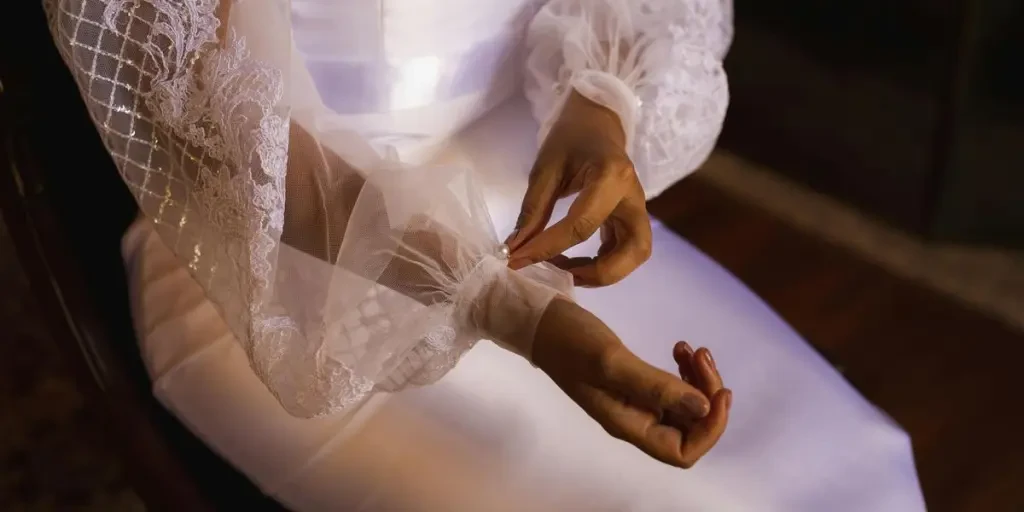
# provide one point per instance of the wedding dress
(322, 186)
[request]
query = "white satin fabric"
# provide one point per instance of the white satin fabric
(409, 74)
(800, 438)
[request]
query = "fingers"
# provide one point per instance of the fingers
(635, 426)
(651, 387)
(709, 380)
(647, 394)
(682, 352)
(681, 447)
(698, 368)
(626, 244)
(626, 248)
(591, 208)
(538, 202)
(705, 433)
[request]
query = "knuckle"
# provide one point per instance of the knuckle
(660, 394)
(605, 276)
(644, 250)
(608, 364)
(583, 229)
(620, 167)
(590, 169)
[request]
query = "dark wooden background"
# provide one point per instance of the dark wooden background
(912, 110)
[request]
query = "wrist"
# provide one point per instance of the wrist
(509, 309)
(581, 111)
(571, 338)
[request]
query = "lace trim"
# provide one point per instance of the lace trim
(221, 100)
(218, 98)
(199, 132)
(684, 93)
(670, 88)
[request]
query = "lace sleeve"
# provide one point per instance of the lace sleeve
(341, 272)
(655, 63)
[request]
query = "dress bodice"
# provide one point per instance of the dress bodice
(405, 72)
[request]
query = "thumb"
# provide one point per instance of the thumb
(538, 203)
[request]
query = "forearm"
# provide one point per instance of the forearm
(320, 188)
(550, 351)
(429, 263)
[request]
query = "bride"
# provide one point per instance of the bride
(322, 184)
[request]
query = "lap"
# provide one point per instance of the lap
(800, 438)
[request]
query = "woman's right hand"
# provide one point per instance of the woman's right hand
(675, 419)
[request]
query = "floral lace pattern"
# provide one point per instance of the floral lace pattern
(200, 135)
(199, 126)
(656, 63)
(684, 94)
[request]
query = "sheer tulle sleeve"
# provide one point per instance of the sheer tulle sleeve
(656, 63)
(341, 271)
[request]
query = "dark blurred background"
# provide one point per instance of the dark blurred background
(870, 187)
(911, 110)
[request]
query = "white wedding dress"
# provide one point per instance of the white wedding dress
(275, 333)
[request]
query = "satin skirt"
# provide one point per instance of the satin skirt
(800, 438)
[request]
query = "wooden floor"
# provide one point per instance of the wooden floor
(950, 376)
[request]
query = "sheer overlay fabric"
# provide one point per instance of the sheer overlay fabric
(341, 270)
(655, 63)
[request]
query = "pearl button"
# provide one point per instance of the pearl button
(503, 252)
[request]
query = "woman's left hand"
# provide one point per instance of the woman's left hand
(676, 419)
(585, 152)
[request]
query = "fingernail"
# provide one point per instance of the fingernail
(695, 405)
(679, 349)
(728, 398)
(711, 360)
